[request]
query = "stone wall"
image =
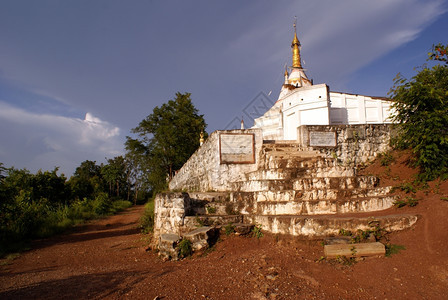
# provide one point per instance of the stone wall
(204, 172)
(169, 212)
(355, 144)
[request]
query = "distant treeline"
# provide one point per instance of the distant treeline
(44, 203)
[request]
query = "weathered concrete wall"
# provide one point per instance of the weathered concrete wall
(355, 144)
(203, 170)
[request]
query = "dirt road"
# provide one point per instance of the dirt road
(107, 259)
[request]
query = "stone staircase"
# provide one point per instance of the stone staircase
(297, 185)
(298, 192)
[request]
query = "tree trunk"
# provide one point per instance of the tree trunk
(136, 195)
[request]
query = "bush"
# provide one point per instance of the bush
(185, 248)
(147, 220)
(119, 205)
(102, 204)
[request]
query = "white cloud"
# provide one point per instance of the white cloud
(338, 37)
(44, 141)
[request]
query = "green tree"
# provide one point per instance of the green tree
(2, 171)
(137, 168)
(421, 115)
(51, 186)
(166, 139)
(114, 172)
(87, 181)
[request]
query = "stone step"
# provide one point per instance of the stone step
(204, 207)
(322, 226)
(309, 195)
(293, 153)
(210, 203)
(309, 183)
(320, 207)
(193, 222)
(202, 237)
(209, 196)
(286, 170)
(288, 162)
(279, 143)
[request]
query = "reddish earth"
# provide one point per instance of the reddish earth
(108, 259)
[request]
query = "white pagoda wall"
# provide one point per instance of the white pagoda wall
(305, 106)
(358, 109)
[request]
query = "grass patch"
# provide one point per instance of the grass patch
(256, 232)
(393, 249)
(386, 158)
(408, 201)
(229, 229)
(211, 210)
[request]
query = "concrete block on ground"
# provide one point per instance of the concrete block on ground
(167, 245)
(354, 250)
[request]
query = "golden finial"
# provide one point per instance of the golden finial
(286, 75)
(201, 139)
(295, 45)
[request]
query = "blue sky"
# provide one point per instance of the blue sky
(76, 76)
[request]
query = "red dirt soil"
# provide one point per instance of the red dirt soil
(108, 259)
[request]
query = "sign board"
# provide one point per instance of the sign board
(322, 139)
(237, 148)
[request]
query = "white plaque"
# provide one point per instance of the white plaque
(237, 148)
(322, 139)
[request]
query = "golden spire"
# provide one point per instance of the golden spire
(295, 45)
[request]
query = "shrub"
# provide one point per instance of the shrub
(102, 204)
(147, 220)
(256, 231)
(119, 205)
(185, 248)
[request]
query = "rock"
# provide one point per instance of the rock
(243, 229)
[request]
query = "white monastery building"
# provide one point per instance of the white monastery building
(302, 103)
